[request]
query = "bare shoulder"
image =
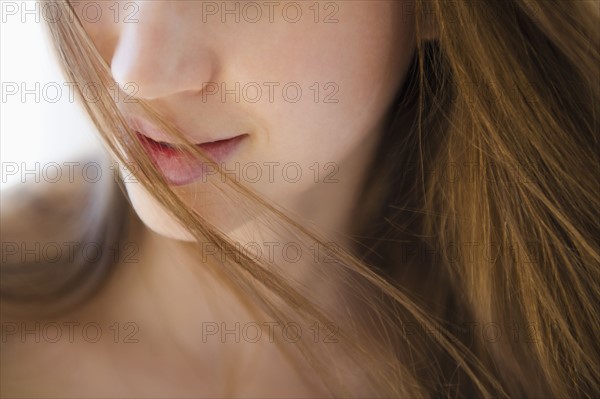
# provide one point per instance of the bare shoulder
(54, 235)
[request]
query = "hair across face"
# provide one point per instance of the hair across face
(307, 87)
(504, 94)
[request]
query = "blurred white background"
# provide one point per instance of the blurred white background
(41, 124)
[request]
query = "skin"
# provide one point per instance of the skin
(176, 63)
(169, 54)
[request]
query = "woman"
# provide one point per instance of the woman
(366, 198)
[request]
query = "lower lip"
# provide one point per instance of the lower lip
(179, 168)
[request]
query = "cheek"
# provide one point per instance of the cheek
(349, 73)
(97, 18)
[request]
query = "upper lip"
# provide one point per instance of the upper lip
(142, 126)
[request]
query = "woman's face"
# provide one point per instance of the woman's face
(301, 89)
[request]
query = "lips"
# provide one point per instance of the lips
(179, 168)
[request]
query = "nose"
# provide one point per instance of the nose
(164, 52)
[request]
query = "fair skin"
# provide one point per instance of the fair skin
(360, 60)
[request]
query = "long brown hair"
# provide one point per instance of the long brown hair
(481, 210)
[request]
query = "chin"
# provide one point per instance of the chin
(155, 216)
(218, 212)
